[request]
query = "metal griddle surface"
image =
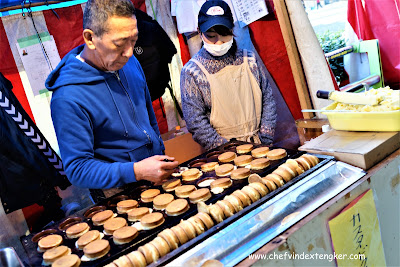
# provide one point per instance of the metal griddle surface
(147, 235)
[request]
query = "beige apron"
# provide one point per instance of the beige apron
(236, 101)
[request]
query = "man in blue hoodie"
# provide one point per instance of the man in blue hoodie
(101, 107)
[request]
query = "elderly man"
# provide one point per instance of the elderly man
(101, 107)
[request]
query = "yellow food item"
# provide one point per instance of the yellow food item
(389, 100)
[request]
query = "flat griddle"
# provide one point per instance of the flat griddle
(146, 236)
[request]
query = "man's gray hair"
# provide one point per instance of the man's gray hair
(97, 13)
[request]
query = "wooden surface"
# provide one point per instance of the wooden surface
(313, 62)
(294, 58)
(183, 148)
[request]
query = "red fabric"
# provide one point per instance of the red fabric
(158, 108)
(332, 77)
(32, 214)
(67, 30)
(268, 41)
(185, 54)
(379, 20)
(140, 4)
(9, 69)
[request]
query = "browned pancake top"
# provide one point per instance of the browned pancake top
(125, 232)
(114, 223)
(129, 203)
(76, 228)
(88, 237)
(177, 206)
(96, 246)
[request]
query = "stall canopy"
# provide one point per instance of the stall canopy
(17, 3)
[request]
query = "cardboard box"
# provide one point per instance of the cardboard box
(361, 149)
(183, 148)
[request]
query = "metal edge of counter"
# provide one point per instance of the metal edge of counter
(280, 239)
(232, 254)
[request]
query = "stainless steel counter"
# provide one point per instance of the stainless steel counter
(244, 236)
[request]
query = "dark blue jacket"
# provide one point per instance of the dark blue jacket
(28, 171)
(104, 121)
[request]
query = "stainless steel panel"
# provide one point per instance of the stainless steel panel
(235, 242)
(9, 258)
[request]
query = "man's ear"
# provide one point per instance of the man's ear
(88, 36)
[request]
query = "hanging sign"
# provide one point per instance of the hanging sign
(248, 11)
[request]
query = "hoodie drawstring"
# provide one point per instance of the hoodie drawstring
(116, 106)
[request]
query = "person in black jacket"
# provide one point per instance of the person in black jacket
(26, 174)
(154, 50)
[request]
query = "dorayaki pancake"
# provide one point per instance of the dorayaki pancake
(53, 254)
(210, 166)
(137, 213)
(67, 261)
(150, 252)
(149, 195)
(50, 241)
(152, 220)
(126, 205)
(243, 160)
(243, 198)
(240, 173)
(227, 157)
(191, 174)
(125, 235)
(235, 201)
(101, 217)
(97, 249)
(277, 179)
(259, 164)
(170, 185)
(226, 207)
(188, 228)
(113, 224)
(260, 187)
(285, 173)
(197, 224)
(260, 152)
(87, 238)
(171, 238)
(270, 184)
(224, 169)
(77, 230)
(251, 192)
(160, 202)
(275, 154)
(137, 259)
(200, 195)
(243, 149)
(221, 182)
(216, 213)
(206, 219)
(161, 246)
(177, 207)
(180, 233)
(183, 191)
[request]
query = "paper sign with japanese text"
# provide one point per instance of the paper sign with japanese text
(355, 233)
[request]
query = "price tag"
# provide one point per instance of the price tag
(356, 234)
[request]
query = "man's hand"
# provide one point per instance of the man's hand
(155, 169)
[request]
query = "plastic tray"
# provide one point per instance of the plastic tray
(388, 121)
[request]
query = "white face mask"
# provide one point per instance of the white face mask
(218, 50)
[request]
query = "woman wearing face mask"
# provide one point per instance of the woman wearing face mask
(224, 93)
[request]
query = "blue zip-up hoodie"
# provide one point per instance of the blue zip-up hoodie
(104, 121)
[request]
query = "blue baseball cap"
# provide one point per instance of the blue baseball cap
(215, 12)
